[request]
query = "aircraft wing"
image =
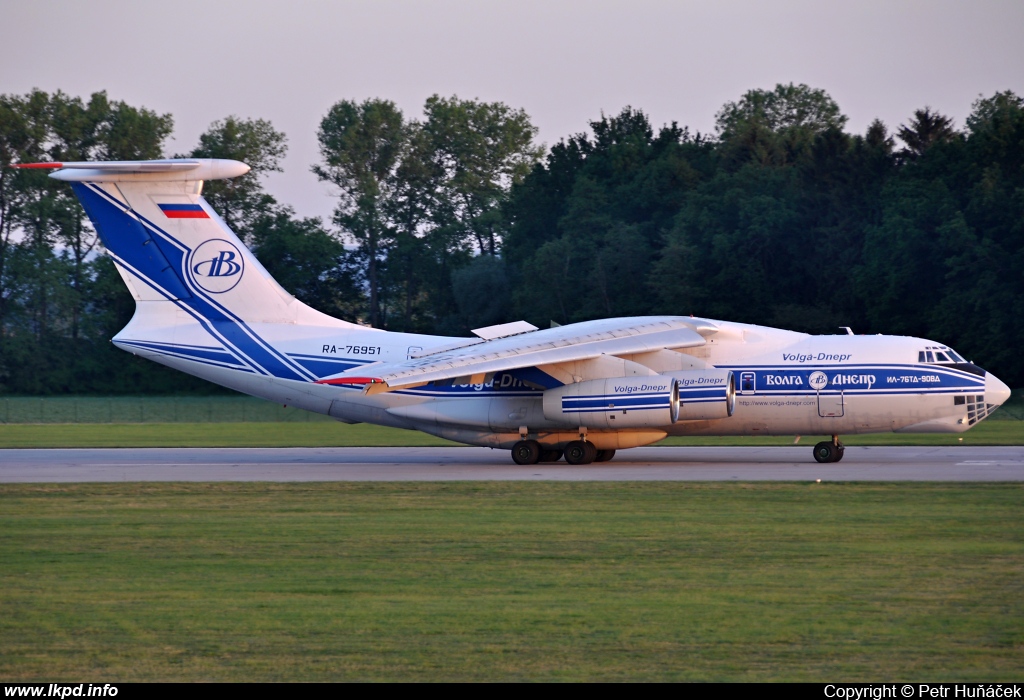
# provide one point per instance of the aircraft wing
(580, 341)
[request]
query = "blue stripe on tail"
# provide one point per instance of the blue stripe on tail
(126, 238)
(161, 263)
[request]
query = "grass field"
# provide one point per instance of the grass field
(149, 409)
(312, 434)
(334, 434)
(512, 581)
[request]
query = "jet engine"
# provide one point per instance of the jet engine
(620, 402)
(705, 394)
(643, 402)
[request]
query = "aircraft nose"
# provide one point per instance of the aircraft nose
(996, 393)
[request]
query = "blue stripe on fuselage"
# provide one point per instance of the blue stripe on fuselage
(855, 379)
(187, 351)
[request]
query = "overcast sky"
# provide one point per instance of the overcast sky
(563, 62)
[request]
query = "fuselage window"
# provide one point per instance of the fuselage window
(956, 357)
(941, 357)
(920, 356)
(930, 356)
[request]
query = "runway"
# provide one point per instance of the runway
(475, 464)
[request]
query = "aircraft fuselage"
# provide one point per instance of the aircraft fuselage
(786, 383)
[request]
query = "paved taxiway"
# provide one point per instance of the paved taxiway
(470, 463)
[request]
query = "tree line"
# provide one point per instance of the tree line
(457, 219)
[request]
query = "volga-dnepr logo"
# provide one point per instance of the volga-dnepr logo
(216, 265)
(817, 380)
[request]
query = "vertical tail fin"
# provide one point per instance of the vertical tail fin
(169, 244)
(193, 280)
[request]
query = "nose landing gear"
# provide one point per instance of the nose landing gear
(829, 451)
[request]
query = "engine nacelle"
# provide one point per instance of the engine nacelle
(622, 402)
(705, 394)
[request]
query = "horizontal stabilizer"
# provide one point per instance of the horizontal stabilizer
(171, 169)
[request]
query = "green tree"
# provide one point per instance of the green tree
(46, 243)
(362, 146)
(984, 264)
(604, 202)
(786, 107)
(775, 127)
(481, 291)
(23, 135)
(926, 129)
(417, 197)
(307, 261)
(482, 149)
(538, 203)
(415, 276)
(242, 200)
(301, 255)
(133, 133)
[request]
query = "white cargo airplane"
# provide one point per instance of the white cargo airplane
(205, 306)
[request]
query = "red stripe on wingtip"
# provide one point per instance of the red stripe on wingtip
(349, 380)
(38, 165)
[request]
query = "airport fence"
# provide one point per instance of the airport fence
(149, 409)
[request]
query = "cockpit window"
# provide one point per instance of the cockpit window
(935, 354)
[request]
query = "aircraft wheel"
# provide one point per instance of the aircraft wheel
(825, 452)
(604, 455)
(526, 452)
(550, 455)
(579, 452)
(840, 451)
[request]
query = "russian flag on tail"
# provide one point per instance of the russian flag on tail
(183, 211)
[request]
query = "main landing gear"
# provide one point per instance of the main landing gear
(829, 451)
(526, 452)
(576, 452)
